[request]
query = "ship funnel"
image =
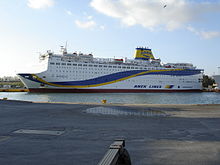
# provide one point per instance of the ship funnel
(143, 54)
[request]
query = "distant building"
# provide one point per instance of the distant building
(217, 80)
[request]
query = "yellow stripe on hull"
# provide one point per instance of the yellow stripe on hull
(101, 84)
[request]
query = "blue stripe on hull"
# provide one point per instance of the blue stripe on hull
(102, 79)
(119, 75)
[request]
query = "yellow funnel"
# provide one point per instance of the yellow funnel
(143, 54)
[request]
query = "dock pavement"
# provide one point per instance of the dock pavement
(79, 134)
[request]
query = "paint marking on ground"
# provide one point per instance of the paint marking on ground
(39, 132)
(3, 138)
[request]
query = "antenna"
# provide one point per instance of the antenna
(39, 53)
(66, 45)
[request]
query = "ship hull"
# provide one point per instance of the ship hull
(140, 84)
(55, 90)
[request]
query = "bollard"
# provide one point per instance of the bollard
(116, 155)
(104, 101)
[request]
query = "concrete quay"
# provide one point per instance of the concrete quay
(80, 134)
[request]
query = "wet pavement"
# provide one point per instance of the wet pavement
(49, 134)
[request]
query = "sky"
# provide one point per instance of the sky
(185, 31)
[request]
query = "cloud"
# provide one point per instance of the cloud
(40, 4)
(89, 17)
(154, 14)
(210, 34)
(204, 34)
(86, 24)
(69, 12)
(102, 27)
(89, 23)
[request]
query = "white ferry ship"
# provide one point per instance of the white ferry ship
(77, 72)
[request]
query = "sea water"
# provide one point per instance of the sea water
(129, 98)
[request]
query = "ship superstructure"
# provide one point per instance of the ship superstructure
(78, 72)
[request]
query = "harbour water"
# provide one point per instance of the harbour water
(127, 98)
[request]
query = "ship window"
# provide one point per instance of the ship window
(79, 64)
(114, 66)
(74, 64)
(119, 66)
(110, 66)
(128, 67)
(136, 67)
(95, 65)
(63, 63)
(68, 64)
(100, 65)
(132, 67)
(57, 63)
(90, 65)
(52, 63)
(105, 66)
(123, 67)
(84, 65)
